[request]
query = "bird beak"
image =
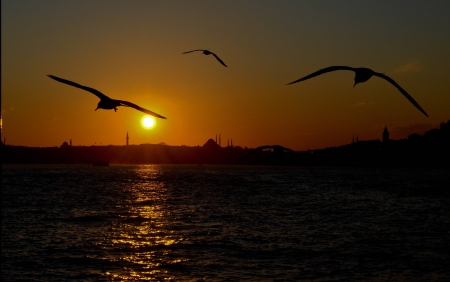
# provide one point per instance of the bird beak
(96, 108)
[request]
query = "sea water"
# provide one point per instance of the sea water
(224, 223)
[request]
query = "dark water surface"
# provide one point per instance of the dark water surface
(224, 223)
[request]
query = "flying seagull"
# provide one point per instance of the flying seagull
(207, 52)
(362, 75)
(106, 102)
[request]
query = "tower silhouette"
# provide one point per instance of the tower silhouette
(385, 135)
(127, 138)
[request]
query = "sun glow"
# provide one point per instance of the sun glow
(148, 122)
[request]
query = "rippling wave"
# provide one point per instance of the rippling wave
(224, 223)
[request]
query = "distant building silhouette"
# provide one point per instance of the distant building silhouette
(127, 139)
(385, 135)
(210, 144)
(219, 141)
(428, 150)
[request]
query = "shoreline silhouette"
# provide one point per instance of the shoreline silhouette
(429, 150)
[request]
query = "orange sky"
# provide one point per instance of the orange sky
(132, 50)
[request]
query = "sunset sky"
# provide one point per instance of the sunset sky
(132, 50)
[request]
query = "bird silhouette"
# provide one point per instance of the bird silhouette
(106, 102)
(362, 75)
(207, 52)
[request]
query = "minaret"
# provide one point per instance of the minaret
(219, 139)
(385, 135)
(127, 138)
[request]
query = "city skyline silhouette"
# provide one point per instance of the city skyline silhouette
(428, 150)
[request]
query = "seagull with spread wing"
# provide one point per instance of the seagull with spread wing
(362, 75)
(207, 52)
(106, 102)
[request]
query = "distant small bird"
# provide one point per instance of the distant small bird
(362, 75)
(106, 102)
(207, 52)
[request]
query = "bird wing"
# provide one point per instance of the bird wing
(402, 91)
(193, 51)
(92, 90)
(322, 71)
(128, 104)
(218, 59)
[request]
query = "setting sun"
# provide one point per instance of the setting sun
(148, 122)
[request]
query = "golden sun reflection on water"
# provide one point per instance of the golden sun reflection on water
(145, 230)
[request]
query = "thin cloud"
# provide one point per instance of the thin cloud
(411, 67)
